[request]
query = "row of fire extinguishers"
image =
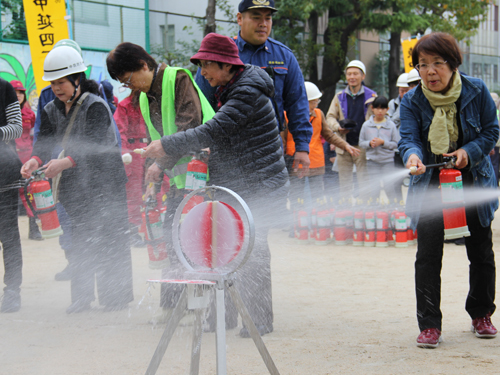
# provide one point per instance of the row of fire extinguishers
(153, 215)
(369, 226)
(379, 226)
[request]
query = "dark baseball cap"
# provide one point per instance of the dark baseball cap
(256, 4)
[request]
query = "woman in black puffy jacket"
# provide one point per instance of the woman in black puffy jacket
(245, 156)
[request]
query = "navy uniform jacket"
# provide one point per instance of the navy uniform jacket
(290, 92)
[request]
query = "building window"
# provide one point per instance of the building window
(495, 17)
(95, 14)
(487, 73)
(168, 35)
(476, 70)
(495, 73)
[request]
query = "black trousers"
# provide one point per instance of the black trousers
(100, 253)
(479, 246)
(11, 242)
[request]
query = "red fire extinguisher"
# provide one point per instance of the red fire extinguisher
(197, 172)
(44, 207)
(452, 196)
(302, 224)
(155, 240)
(196, 178)
(323, 222)
(382, 228)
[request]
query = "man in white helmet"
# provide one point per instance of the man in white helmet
(402, 84)
(350, 104)
(413, 78)
(403, 88)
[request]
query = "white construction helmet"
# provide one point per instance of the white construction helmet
(61, 62)
(356, 64)
(402, 80)
(312, 91)
(413, 76)
(70, 43)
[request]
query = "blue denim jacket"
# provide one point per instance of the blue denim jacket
(480, 134)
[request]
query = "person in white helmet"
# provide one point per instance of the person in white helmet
(403, 88)
(350, 104)
(393, 113)
(413, 78)
(316, 153)
(91, 182)
(46, 96)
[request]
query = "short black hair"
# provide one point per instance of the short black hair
(128, 57)
(234, 68)
(380, 102)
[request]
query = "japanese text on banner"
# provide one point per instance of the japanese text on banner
(407, 51)
(46, 25)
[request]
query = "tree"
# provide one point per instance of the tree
(210, 26)
(459, 18)
(394, 16)
(344, 19)
(16, 29)
(222, 5)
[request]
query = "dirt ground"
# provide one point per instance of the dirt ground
(338, 310)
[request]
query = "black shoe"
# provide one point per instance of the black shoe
(460, 241)
(64, 275)
(34, 233)
(449, 241)
(78, 307)
(136, 241)
(11, 301)
(263, 329)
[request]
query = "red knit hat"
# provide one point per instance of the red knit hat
(215, 47)
(17, 85)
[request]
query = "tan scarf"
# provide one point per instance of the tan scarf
(444, 129)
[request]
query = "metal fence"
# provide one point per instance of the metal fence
(101, 25)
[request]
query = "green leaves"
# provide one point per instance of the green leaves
(27, 79)
(16, 66)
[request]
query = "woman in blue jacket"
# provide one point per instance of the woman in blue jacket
(449, 114)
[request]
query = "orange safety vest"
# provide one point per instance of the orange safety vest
(316, 154)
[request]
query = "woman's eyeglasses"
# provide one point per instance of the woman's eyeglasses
(204, 65)
(436, 65)
(128, 81)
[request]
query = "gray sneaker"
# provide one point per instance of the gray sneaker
(11, 301)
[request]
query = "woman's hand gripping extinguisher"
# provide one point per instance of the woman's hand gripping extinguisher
(155, 240)
(452, 197)
(44, 207)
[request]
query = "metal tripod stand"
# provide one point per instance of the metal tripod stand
(201, 280)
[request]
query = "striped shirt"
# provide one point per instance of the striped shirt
(14, 127)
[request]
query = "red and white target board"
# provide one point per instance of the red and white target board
(213, 237)
(212, 234)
